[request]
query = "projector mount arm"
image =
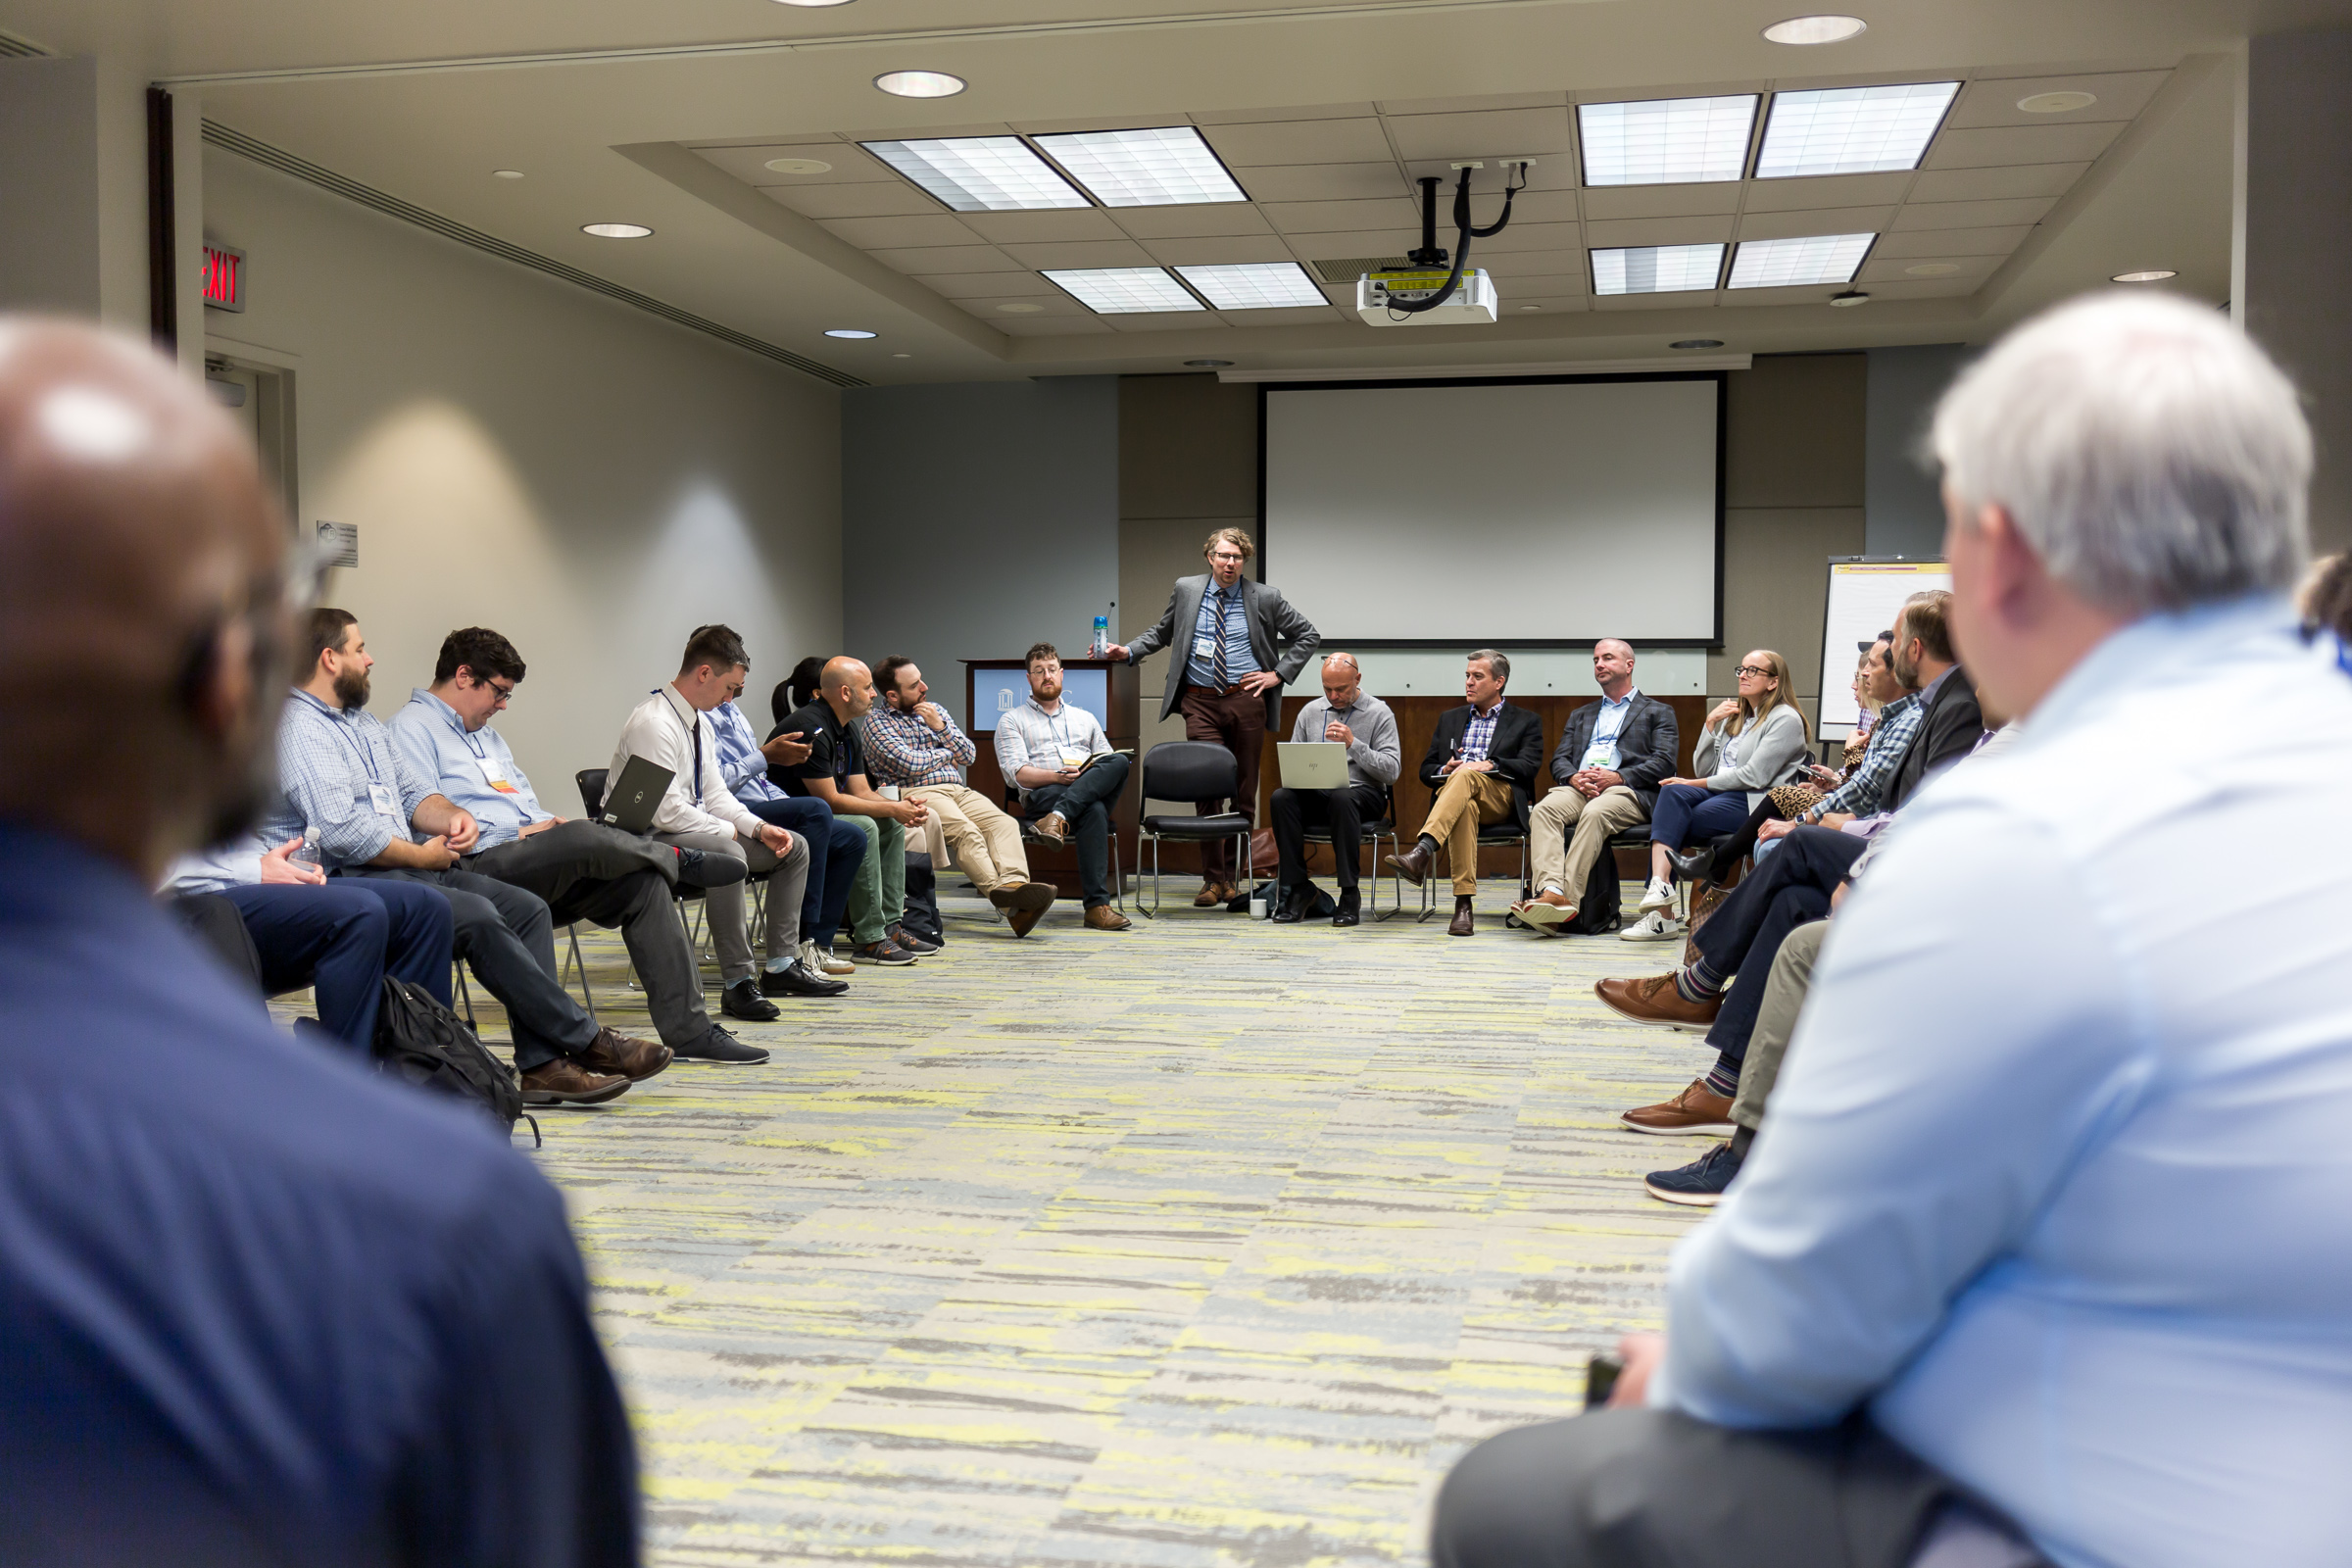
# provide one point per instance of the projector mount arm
(1429, 255)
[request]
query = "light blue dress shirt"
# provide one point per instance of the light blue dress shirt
(741, 762)
(333, 765)
(1602, 751)
(2056, 1176)
(433, 740)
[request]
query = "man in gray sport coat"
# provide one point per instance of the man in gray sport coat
(1236, 644)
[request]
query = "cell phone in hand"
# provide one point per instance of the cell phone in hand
(1600, 1380)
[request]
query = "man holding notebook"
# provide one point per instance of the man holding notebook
(1360, 729)
(1057, 756)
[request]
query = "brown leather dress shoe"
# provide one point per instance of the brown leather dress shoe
(565, 1082)
(1412, 864)
(1652, 999)
(1024, 905)
(1696, 1109)
(635, 1060)
(1212, 893)
(1462, 924)
(1103, 917)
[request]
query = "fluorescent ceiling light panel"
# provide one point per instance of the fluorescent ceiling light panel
(1666, 141)
(1255, 285)
(1851, 130)
(1124, 290)
(1786, 263)
(979, 173)
(1656, 268)
(1171, 166)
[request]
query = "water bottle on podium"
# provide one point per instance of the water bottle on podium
(1101, 643)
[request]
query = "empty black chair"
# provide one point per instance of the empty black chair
(1190, 770)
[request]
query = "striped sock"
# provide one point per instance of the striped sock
(1724, 1077)
(1694, 982)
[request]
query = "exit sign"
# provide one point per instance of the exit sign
(224, 278)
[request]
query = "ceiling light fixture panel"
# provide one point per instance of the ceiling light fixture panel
(1666, 141)
(1791, 263)
(1255, 285)
(1124, 290)
(1166, 167)
(1816, 29)
(980, 174)
(1656, 268)
(1851, 130)
(615, 230)
(920, 84)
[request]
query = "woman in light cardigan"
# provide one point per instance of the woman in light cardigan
(1750, 743)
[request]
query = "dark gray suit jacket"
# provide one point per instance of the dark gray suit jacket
(1272, 621)
(1646, 746)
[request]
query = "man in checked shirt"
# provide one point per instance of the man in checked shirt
(914, 745)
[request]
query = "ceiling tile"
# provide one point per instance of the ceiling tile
(851, 162)
(1657, 231)
(1324, 183)
(932, 133)
(1466, 106)
(1057, 303)
(1183, 223)
(1893, 267)
(1697, 299)
(1324, 218)
(1069, 253)
(1567, 305)
(1221, 249)
(1808, 294)
(1553, 172)
(989, 285)
(1835, 220)
(1251, 117)
(1365, 242)
(1153, 321)
(897, 233)
(1952, 242)
(1540, 272)
(1148, 122)
(1974, 215)
(1528, 206)
(1661, 200)
(1051, 325)
(1996, 184)
(1494, 133)
(1300, 316)
(2121, 94)
(1925, 288)
(1826, 190)
(2022, 144)
(949, 258)
(1298, 141)
(1030, 228)
(1521, 238)
(869, 199)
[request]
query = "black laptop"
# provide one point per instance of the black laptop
(631, 800)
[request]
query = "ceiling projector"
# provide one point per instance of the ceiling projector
(1472, 303)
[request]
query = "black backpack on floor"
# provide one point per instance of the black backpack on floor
(1602, 905)
(419, 1041)
(921, 916)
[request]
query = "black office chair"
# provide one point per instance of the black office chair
(1494, 835)
(1190, 770)
(1383, 826)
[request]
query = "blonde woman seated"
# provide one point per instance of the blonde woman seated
(1752, 743)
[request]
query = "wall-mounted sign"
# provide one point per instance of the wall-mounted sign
(339, 543)
(224, 278)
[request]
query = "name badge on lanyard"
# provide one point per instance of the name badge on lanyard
(380, 797)
(1204, 648)
(495, 775)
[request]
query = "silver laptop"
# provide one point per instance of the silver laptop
(630, 802)
(1313, 764)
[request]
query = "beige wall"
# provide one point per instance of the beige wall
(588, 480)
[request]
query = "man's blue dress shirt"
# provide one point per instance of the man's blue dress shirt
(461, 763)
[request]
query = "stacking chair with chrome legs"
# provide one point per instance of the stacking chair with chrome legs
(1383, 826)
(1190, 770)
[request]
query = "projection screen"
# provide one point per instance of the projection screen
(1550, 512)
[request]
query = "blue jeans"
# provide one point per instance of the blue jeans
(342, 939)
(1688, 811)
(835, 846)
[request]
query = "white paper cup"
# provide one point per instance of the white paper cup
(1258, 909)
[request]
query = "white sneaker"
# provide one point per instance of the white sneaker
(820, 961)
(1659, 894)
(1652, 927)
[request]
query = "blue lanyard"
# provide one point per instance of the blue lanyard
(342, 727)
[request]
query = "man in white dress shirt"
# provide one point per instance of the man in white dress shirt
(2044, 1255)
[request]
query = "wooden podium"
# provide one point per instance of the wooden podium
(986, 680)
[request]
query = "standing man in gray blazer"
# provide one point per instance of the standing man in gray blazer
(1237, 643)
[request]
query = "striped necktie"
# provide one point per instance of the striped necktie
(1224, 622)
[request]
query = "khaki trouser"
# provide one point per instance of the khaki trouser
(985, 841)
(1775, 1020)
(1567, 833)
(1464, 803)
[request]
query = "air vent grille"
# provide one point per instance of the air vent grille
(1348, 269)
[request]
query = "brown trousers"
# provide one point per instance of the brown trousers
(1237, 722)
(1465, 802)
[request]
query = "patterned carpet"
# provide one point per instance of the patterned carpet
(1211, 1244)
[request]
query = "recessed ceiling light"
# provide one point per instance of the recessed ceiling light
(1656, 268)
(1666, 141)
(1124, 290)
(919, 83)
(1208, 365)
(2154, 276)
(1851, 130)
(1786, 263)
(797, 166)
(505, 173)
(1531, 307)
(1697, 343)
(1850, 298)
(1253, 285)
(1168, 167)
(1816, 29)
(1020, 308)
(979, 173)
(1934, 270)
(615, 230)
(2057, 103)
(848, 332)
(902, 356)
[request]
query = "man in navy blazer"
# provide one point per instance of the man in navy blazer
(1481, 761)
(1237, 643)
(1605, 774)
